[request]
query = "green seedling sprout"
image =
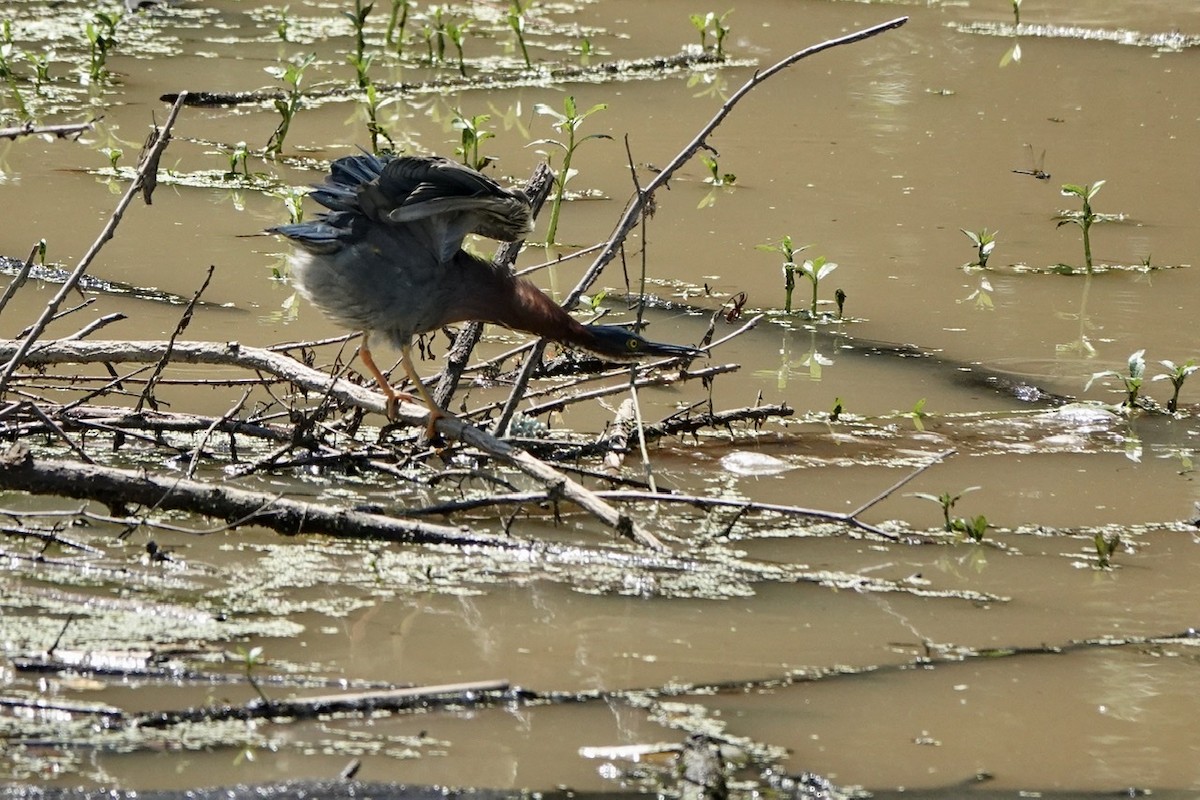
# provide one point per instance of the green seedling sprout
(113, 154)
(918, 414)
(7, 49)
(1016, 4)
(397, 20)
(1105, 547)
(237, 157)
(293, 201)
(362, 68)
(101, 34)
(374, 128)
(1132, 381)
(436, 35)
(716, 177)
(287, 106)
(6, 37)
(704, 23)
(283, 27)
(973, 528)
(358, 20)
(815, 269)
(7, 73)
(473, 135)
(1085, 218)
(41, 68)
(565, 123)
(250, 659)
(786, 249)
(1176, 374)
(947, 502)
(458, 35)
(516, 21)
(721, 30)
(984, 242)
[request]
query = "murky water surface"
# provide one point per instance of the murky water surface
(1018, 656)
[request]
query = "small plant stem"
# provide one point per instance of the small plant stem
(516, 21)
(1087, 239)
(560, 189)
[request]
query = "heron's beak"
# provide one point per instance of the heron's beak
(671, 350)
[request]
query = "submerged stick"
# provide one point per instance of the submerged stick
(370, 702)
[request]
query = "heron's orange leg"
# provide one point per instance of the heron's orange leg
(393, 397)
(435, 411)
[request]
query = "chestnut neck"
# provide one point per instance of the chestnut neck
(491, 294)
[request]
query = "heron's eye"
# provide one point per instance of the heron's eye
(632, 344)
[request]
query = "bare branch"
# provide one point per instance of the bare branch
(67, 131)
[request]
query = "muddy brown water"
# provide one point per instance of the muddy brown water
(876, 154)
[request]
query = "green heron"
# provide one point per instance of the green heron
(387, 258)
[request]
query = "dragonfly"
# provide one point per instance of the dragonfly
(1037, 163)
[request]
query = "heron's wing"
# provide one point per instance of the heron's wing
(346, 178)
(329, 234)
(419, 179)
(435, 201)
(450, 218)
(448, 200)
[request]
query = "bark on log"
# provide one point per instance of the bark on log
(116, 488)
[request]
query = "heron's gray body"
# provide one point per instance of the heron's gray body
(387, 257)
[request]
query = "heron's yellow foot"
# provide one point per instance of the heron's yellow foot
(392, 399)
(431, 432)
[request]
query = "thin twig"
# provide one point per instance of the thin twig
(937, 458)
(49, 423)
(560, 259)
(639, 424)
(22, 275)
(654, 380)
(95, 325)
(749, 325)
(184, 320)
(223, 419)
(55, 317)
